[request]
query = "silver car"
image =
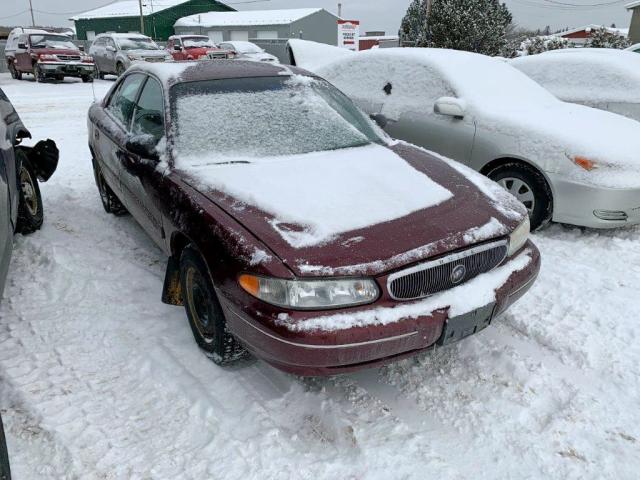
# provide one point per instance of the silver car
(602, 78)
(568, 163)
(113, 53)
(249, 51)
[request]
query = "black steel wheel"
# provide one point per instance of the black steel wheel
(120, 69)
(30, 210)
(204, 311)
(37, 73)
(110, 202)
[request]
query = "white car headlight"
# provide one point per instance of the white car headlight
(310, 294)
(519, 237)
(134, 57)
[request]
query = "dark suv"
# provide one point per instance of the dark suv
(51, 56)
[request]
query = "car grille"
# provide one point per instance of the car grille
(69, 58)
(446, 272)
(154, 59)
(217, 56)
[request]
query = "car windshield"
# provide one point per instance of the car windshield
(247, 47)
(251, 118)
(52, 41)
(137, 43)
(197, 42)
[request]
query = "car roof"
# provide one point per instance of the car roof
(122, 35)
(172, 73)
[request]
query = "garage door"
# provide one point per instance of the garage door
(216, 37)
(239, 36)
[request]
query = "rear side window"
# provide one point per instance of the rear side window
(148, 118)
(123, 101)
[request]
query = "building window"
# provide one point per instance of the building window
(239, 36)
(267, 34)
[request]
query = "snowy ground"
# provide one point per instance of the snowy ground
(100, 380)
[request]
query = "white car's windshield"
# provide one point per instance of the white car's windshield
(137, 44)
(247, 47)
(52, 41)
(265, 117)
(197, 42)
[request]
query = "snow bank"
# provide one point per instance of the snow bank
(585, 74)
(313, 55)
(474, 294)
(325, 193)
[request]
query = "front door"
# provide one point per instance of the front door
(141, 177)
(23, 57)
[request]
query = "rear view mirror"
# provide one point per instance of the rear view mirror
(380, 119)
(81, 48)
(142, 145)
(451, 107)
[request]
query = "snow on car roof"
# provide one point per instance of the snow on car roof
(252, 17)
(586, 74)
(128, 8)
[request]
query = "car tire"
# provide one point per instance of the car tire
(119, 69)
(204, 311)
(5, 471)
(14, 73)
(37, 73)
(530, 187)
(30, 210)
(110, 201)
(98, 73)
(87, 79)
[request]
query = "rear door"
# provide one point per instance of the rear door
(23, 58)
(97, 51)
(110, 52)
(141, 177)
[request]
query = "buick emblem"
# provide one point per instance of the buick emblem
(458, 273)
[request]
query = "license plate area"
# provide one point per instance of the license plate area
(457, 328)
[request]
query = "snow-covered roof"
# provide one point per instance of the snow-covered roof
(592, 26)
(250, 17)
(128, 8)
(380, 37)
(631, 5)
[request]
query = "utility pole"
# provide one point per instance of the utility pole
(339, 10)
(141, 17)
(33, 22)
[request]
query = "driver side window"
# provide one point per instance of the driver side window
(148, 117)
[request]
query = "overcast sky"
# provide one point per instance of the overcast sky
(374, 14)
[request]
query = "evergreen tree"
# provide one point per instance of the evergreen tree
(413, 23)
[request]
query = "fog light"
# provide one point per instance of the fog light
(611, 215)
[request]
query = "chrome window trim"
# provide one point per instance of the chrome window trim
(454, 257)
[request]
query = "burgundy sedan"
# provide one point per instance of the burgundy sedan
(295, 229)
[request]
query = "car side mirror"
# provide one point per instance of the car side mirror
(177, 48)
(22, 46)
(451, 107)
(81, 48)
(380, 119)
(143, 145)
(111, 49)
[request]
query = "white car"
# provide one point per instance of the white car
(565, 162)
(634, 48)
(602, 78)
(249, 51)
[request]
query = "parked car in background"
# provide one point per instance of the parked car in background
(634, 48)
(315, 243)
(249, 51)
(12, 45)
(602, 78)
(565, 162)
(195, 47)
(50, 56)
(115, 52)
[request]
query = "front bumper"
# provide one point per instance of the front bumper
(318, 352)
(594, 207)
(68, 69)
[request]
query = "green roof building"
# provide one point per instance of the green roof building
(159, 17)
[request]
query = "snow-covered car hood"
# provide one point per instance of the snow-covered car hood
(326, 212)
(557, 132)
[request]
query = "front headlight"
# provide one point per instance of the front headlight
(519, 237)
(168, 58)
(47, 58)
(134, 57)
(310, 294)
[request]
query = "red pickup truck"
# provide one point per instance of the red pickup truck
(50, 55)
(195, 47)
